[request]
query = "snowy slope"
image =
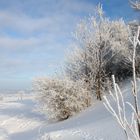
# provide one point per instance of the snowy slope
(93, 124)
(20, 121)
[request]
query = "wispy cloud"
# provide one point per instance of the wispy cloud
(36, 33)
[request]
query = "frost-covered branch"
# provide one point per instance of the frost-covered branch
(131, 128)
(120, 112)
(135, 4)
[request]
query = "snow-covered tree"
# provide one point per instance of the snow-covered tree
(62, 98)
(103, 49)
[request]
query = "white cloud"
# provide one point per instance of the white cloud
(14, 43)
(64, 13)
(35, 34)
(21, 23)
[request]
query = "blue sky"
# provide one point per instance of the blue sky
(35, 34)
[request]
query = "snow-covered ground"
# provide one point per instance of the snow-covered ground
(19, 120)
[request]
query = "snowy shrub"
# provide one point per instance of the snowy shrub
(61, 99)
(102, 49)
(131, 128)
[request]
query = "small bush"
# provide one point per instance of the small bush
(61, 99)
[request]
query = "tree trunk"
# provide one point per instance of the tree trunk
(98, 90)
